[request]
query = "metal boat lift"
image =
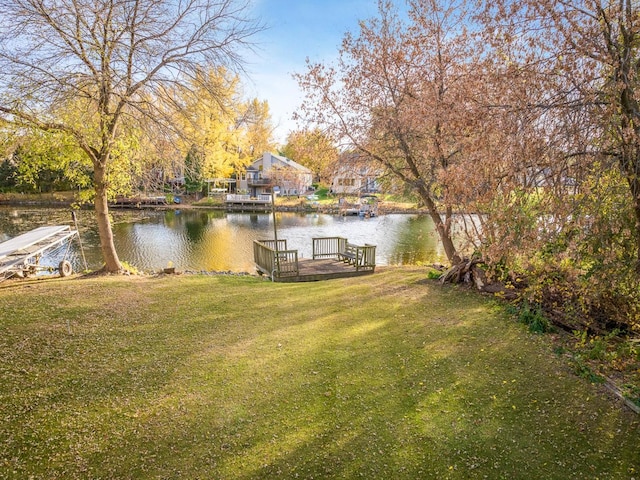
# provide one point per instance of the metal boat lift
(21, 255)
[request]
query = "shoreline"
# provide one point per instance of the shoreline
(54, 201)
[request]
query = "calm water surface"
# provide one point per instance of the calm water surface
(213, 240)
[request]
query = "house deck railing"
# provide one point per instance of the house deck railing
(259, 182)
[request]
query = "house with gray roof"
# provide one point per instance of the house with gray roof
(276, 172)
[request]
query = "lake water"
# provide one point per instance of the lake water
(212, 240)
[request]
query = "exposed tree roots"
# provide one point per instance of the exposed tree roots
(470, 272)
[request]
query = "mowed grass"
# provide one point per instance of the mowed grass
(386, 376)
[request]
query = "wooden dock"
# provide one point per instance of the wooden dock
(323, 269)
(236, 202)
(330, 260)
(139, 201)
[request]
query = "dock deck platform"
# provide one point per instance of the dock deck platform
(310, 270)
(333, 257)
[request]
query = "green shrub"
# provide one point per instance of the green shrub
(583, 370)
(534, 318)
(433, 274)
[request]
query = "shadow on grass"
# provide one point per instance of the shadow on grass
(379, 377)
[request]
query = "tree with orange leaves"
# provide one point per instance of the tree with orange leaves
(398, 96)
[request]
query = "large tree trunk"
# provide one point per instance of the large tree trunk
(623, 49)
(444, 231)
(110, 256)
(634, 184)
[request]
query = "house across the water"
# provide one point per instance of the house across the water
(355, 175)
(283, 175)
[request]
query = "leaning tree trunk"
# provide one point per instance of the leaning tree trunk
(109, 255)
(444, 231)
(635, 190)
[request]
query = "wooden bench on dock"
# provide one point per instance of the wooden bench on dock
(363, 257)
(351, 254)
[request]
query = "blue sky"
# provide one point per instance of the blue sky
(297, 29)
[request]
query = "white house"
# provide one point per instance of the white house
(282, 174)
(354, 175)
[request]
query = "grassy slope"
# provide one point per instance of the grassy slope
(385, 376)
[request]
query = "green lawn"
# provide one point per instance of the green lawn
(386, 376)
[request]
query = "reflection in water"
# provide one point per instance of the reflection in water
(416, 242)
(196, 227)
(216, 240)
